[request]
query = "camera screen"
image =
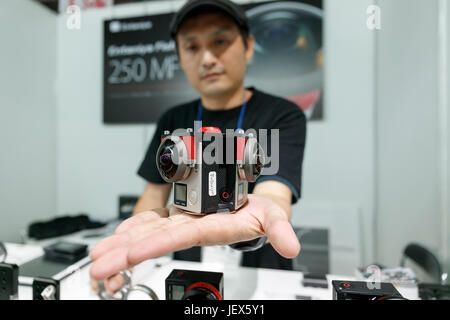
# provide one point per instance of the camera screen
(180, 192)
(177, 292)
(240, 188)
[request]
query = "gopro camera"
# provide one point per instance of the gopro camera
(210, 170)
(194, 285)
(360, 290)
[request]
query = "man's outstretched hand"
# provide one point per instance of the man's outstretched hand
(158, 232)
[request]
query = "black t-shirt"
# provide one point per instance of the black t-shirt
(263, 111)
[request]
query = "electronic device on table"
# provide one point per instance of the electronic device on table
(360, 290)
(194, 285)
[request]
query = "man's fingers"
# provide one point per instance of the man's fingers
(164, 241)
(94, 284)
(139, 231)
(111, 253)
(219, 229)
(114, 283)
(140, 218)
(280, 234)
(108, 244)
(110, 264)
(121, 236)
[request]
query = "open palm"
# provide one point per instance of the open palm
(158, 232)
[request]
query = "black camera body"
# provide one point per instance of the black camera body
(361, 290)
(194, 285)
(210, 170)
(9, 281)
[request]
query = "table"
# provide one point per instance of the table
(240, 283)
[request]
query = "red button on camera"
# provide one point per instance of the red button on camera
(347, 285)
(225, 195)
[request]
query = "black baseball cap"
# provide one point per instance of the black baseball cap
(227, 6)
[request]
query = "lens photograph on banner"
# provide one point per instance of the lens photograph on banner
(288, 57)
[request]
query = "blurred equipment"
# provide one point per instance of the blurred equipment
(61, 226)
(315, 256)
(431, 291)
(191, 254)
(194, 285)
(127, 289)
(50, 268)
(46, 289)
(399, 275)
(126, 206)
(359, 290)
(66, 252)
(9, 281)
(3, 252)
(315, 280)
(426, 261)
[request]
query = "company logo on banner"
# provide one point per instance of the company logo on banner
(119, 26)
(83, 4)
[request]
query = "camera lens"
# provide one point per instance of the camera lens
(256, 168)
(259, 165)
(166, 164)
(171, 160)
(199, 294)
(253, 161)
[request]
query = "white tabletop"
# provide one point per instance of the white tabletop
(240, 283)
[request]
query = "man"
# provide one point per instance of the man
(214, 47)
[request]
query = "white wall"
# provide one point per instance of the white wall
(27, 115)
(408, 148)
(339, 157)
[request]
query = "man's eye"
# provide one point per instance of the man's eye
(221, 42)
(191, 48)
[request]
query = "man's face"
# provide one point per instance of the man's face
(212, 53)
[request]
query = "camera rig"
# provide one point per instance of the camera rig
(210, 170)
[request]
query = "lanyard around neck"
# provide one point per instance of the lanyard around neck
(241, 115)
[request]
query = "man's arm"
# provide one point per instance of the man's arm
(154, 196)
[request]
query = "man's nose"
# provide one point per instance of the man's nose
(209, 59)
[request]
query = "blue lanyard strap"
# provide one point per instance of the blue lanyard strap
(241, 115)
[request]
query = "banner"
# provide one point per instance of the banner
(143, 78)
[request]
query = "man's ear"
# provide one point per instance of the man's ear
(250, 48)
